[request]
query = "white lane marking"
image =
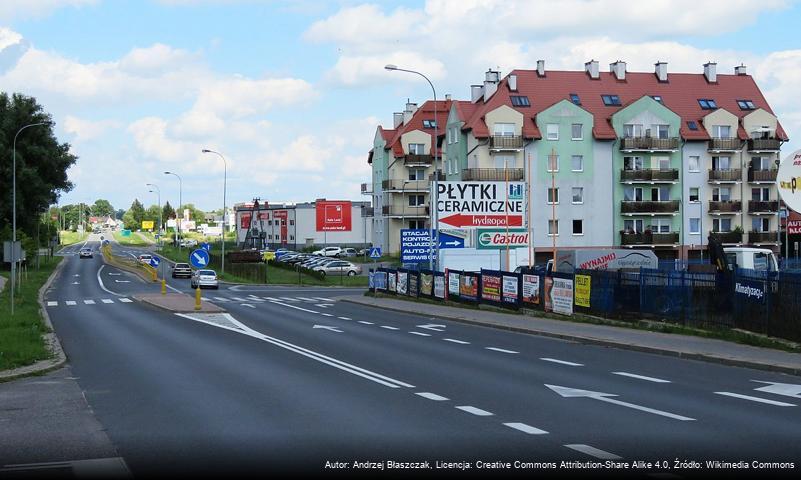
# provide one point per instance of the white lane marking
(785, 389)
(432, 326)
(220, 299)
(172, 288)
(70, 303)
(432, 396)
(502, 350)
(307, 299)
(339, 364)
(366, 323)
(593, 452)
(247, 305)
(641, 377)
(238, 299)
(421, 334)
(323, 305)
(327, 327)
(326, 314)
(562, 362)
(526, 428)
(344, 318)
(389, 328)
(325, 299)
(756, 399)
(460, 342)
(269, 298)
(475, 411)
(205, 299)
(568, 392)
(89, 302)
(296, 308)
(289, 299)
(122, 281)
(107, 300)
(126, 300)
(52, 304)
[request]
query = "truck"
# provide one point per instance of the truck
(603, 259)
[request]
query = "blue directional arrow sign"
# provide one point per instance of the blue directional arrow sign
(450, 241)
(154, 261)
(206, 246)
(199, 258)
(375, 252)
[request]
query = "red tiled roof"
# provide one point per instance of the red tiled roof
(680, 94)
(425, 112)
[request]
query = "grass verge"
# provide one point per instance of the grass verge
(69, 238)
(133, 240)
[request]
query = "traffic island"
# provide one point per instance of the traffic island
(177, 303)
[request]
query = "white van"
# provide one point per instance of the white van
(760, 259)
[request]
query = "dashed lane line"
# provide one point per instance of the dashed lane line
(126, 300)
(502, 350)
(460, 342)
(475, 411)
(344, 318)
(52, 304)
(562, 362)
(389, 328)
(70, 303)
(593, 452)
(432, 396)
(421, 334)
(525, 428)
(89, 302)
(755, 399)
(295, 307)
(366, 323)
(641, 377)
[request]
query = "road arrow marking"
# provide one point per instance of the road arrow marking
(433, 326)
(115, 274)
(76, 283)
(755, 399)
(77, 275)
(326, 327)
(604, 397)
(786, 389)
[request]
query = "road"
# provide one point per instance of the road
(292, 378)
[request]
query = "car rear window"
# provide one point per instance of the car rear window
(181, 265)
(207, 272)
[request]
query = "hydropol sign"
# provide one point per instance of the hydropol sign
(499, 238)
(480, 204)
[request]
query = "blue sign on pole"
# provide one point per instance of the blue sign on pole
(199, 258)
(375, 252)
(450, 241)
(206, 246)
(416, 245)
(155, 261)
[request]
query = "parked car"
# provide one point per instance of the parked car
(181, 270)
(145, 258)
(86, 253)
(204, 278)
(329, 251)
(339, 267)
(188, 242)
(348, 252)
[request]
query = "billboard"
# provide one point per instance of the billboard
(147, 224)
(500, 238)
(788, 180)
(415, 245)
(480, 204)
(333, 215)
(244, 221)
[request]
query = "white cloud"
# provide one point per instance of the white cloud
(87, 130)
(10, 9)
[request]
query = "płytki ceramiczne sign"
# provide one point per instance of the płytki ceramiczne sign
(481, 204)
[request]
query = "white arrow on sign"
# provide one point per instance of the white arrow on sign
(199, 258)
(326, 327)
(604, 397)
(786, 389)
(433, 326)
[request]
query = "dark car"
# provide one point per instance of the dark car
(181, 270)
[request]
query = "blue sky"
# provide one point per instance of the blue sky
(291, 92)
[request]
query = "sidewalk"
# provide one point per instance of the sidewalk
(708, 349)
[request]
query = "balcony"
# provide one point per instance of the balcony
(725, 206)
(440, 176)
(764, 144)
(731, 175)
(762, 176)
(727, 237)
(671, 238)
(493, 174)
(761, 207)
(725, 144)
(405, 185)
(506, 142)
(413, 159)
(367, 188)
(649, 144)
(668, 207)
(657, 175)
(367, 212)
(763, 237)
(403, 211)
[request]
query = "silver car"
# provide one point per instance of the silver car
(204, 279)
(339, 267)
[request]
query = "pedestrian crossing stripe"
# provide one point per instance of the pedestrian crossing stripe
(89, 302)
(126, 300)
(107, 300)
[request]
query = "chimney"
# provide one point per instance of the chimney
(661, 71)
(397, 119)
(710, 72)
(619, 69)
(740, 70)
(476, 91)
(447, 97)
(591, 68)
(541, 68)
(512, 79)
(491, 80)
(409, 112)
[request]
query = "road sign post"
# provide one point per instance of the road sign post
(375, 254)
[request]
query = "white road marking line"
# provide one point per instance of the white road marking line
(307, 299)
(756, 399)
(70, 303)
(432, 396)
(100, 281)
(89, 302)
(421, 334)
(502, 350)
(205, 299)
(296, 308)
(239, 299)
(289, 299)
(52, 304)
(326, 314)
(389, 328)
(593, 452)
(475, 411)
(323, 305)
(366, 323)
(107, 300)
(562, 362)
(220, 299)
(641, 377)
(325, 299)
(526, 428)
(126, 300)
(344, 318)
(269, 298)
(460, 342)
(247, 305)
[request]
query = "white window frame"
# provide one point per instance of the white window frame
(573, 195)
(549, 196)
(573, 131)
(634, 222)
(548, 164)
(718, 129)
(413, 149)
(633, 130)
(552, 131)
(716, 192)
(573, 227)
(657, 162)
(697, 230)
(717, 222)
(551, 225)
(573, 163)
(659, 223)
(697, 195)
(634, 191)
(697, 160)
(637, 161)
(503, 129)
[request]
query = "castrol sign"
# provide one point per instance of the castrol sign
(500, 238)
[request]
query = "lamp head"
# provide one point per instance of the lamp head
(390, 67)
(205, 150)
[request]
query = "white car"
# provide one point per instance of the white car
(329, 251)
(188, 242)
(204, 278)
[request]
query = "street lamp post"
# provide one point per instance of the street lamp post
(433, 217)
(14, 211)
(158, 192)
(225, 188)
(180, 202)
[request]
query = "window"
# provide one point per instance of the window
(746, 104)
(291, 222)
(417, 174)
(660, 194)
(761, 262)
(416, 224)
(577, 163)
(578, 227)
(553, 163)
(660, 225)
(633, 226)
(760, 163)
(722, 225)
(692, 125)
(760, 194)
(610, 100)
(658, 98)
(721, 131)
(269, 222)
(504, 129)
(578, 195)
(632, 194)
(520, 101)
(721, 194)
(721, 163)
(632, 163)
(553, 131)
(694, 163)
(577, 131)
(429, 123)
(694, 195)
(417, 148)
(662, 131)
(504, 161)
(631, 130)
(707, 103)
(269, 237)
(695, 226)
(575, 99)
(553, 196)
(760, 224)
(661, 163)
(416, 200)
(553, 227)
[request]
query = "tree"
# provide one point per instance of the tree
(152, 213)
(196, 215)
(168, 212)
(102, 208)
(119, 214)
(42, 162)
(134, 216)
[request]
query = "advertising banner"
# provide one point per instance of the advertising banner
(788, 180)
(333, 215)
(392, 282)
(562, 296)
(244, 221)
(480, 204)
(794, 223)
(510, 289)
(403, 283)
(531, 289)
(147, 224)
(281, 216)
(453, 283)
(491, 287)
(499, 238)
(415, 245)
(439, 286)
(583, 283)
(413, 285)
(751, 290)
(468, 287)
(380, 280)
(426, 284)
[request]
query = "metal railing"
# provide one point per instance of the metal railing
(650, 175)
(501, 142)
(417, 159)
(493, 174)
(726, 175)
(764, 144)
(727, 237)
(725, 144)
(667, 206)
(726, 206)
(405, 185)
(762, 237)
(404, 211)
(649, 143)
(763, 206)
(646, 238)
(762, 175)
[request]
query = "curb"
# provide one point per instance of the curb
(170, 310)
(52, 342)
(604, 343)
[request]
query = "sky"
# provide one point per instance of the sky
(291, 92)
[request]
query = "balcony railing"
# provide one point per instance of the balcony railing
(763, 144)
(729, 175)
(439, 175)
(493, 174)
(368, 212)
(649, 143)
(725, 144)
(396, 185)
(762, 175)
(415, 159)
(649, 238)
(762, 237)
(656, 175)
(506, 142)
(367, 188)
(725, 206)
(755, 206)
(668, 206)
(404, 211)
(727, 237)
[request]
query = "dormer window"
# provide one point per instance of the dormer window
(746, 104)
(692, 125)
(611, 100)
(658, 98)
(575, 99)
(429, 123)
(707, 103)
(520, 101)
